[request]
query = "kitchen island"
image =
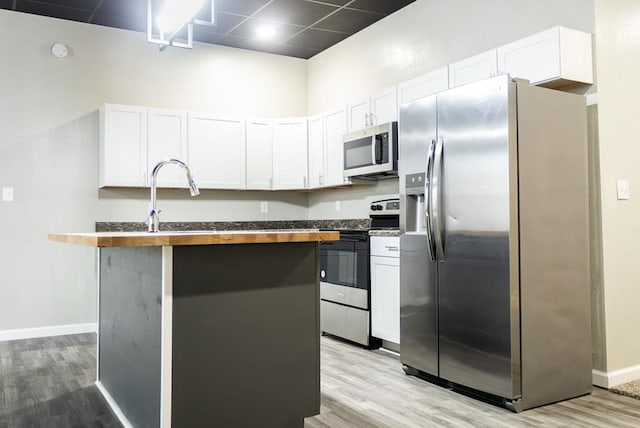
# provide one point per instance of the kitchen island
(208, 328)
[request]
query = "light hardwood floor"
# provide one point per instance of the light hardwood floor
(48, 382)
(363, 388)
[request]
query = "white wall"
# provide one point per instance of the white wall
(49, 148)
(618, 68)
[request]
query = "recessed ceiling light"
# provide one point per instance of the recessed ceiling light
(265, 32)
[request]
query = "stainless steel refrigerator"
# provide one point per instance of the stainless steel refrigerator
(494, 248)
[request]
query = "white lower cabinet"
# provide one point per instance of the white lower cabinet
(385, 288)
(217, 151)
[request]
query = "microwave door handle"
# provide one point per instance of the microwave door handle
(436, 195)
(377, 142)
(373, 150)
(427, 201)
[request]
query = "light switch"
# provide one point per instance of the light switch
(264, 207)
(623, 189)
(7, 194)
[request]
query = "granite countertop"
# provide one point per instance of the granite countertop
(363, 224)
(206, 237)
(384, 232)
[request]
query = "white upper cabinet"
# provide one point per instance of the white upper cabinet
(123, 146)
(217, 151)
(259, 154)
(290, 153)
(554, 58)
(423, 86)
(335, 126)
(381, 107)
(359, 115)
(384, 106)
(316, 151)
(167, 138)
(477, 67)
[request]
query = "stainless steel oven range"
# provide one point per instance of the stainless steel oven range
(345, 279)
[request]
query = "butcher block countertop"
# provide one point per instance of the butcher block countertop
(146, 239)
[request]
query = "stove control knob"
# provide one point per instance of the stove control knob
(378, 207)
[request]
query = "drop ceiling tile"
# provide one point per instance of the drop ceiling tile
(380, 6)
(46, 9)
(316, 39)
(295, 11)
(129, 22)
(240, 7)
(202, 34)
(75, 4)
(334, 2)
(125, 7)
(224, 23)
(249, 28)
(348, 21)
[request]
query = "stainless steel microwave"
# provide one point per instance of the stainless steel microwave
(372, 152)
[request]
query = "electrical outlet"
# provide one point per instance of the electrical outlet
(264, 207)
(7, 194)
(338, 206)
(623, 189)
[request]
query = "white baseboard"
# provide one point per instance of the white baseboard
(56, 330)
(616, 377)
(114, 406)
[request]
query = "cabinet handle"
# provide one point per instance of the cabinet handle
(270, 182)
(304, 182)
(391, 247)
(320, 179)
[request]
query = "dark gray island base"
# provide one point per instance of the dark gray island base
(210, 335)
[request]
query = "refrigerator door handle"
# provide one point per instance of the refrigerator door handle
(436, 199)
(427, 201)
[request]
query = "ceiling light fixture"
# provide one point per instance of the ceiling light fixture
(265, 32)
(163, 29)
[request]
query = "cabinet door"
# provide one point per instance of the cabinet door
(558, 54)
(167, 138)
(384, 106)
(477, 67)
(290, 153)
(335, 126)
(217, 151)
(259, 154)
(385, 298)
(123, 146)
(422, 86)
(316, 151)
(359, 115)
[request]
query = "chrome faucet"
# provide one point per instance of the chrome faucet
(154, 220)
